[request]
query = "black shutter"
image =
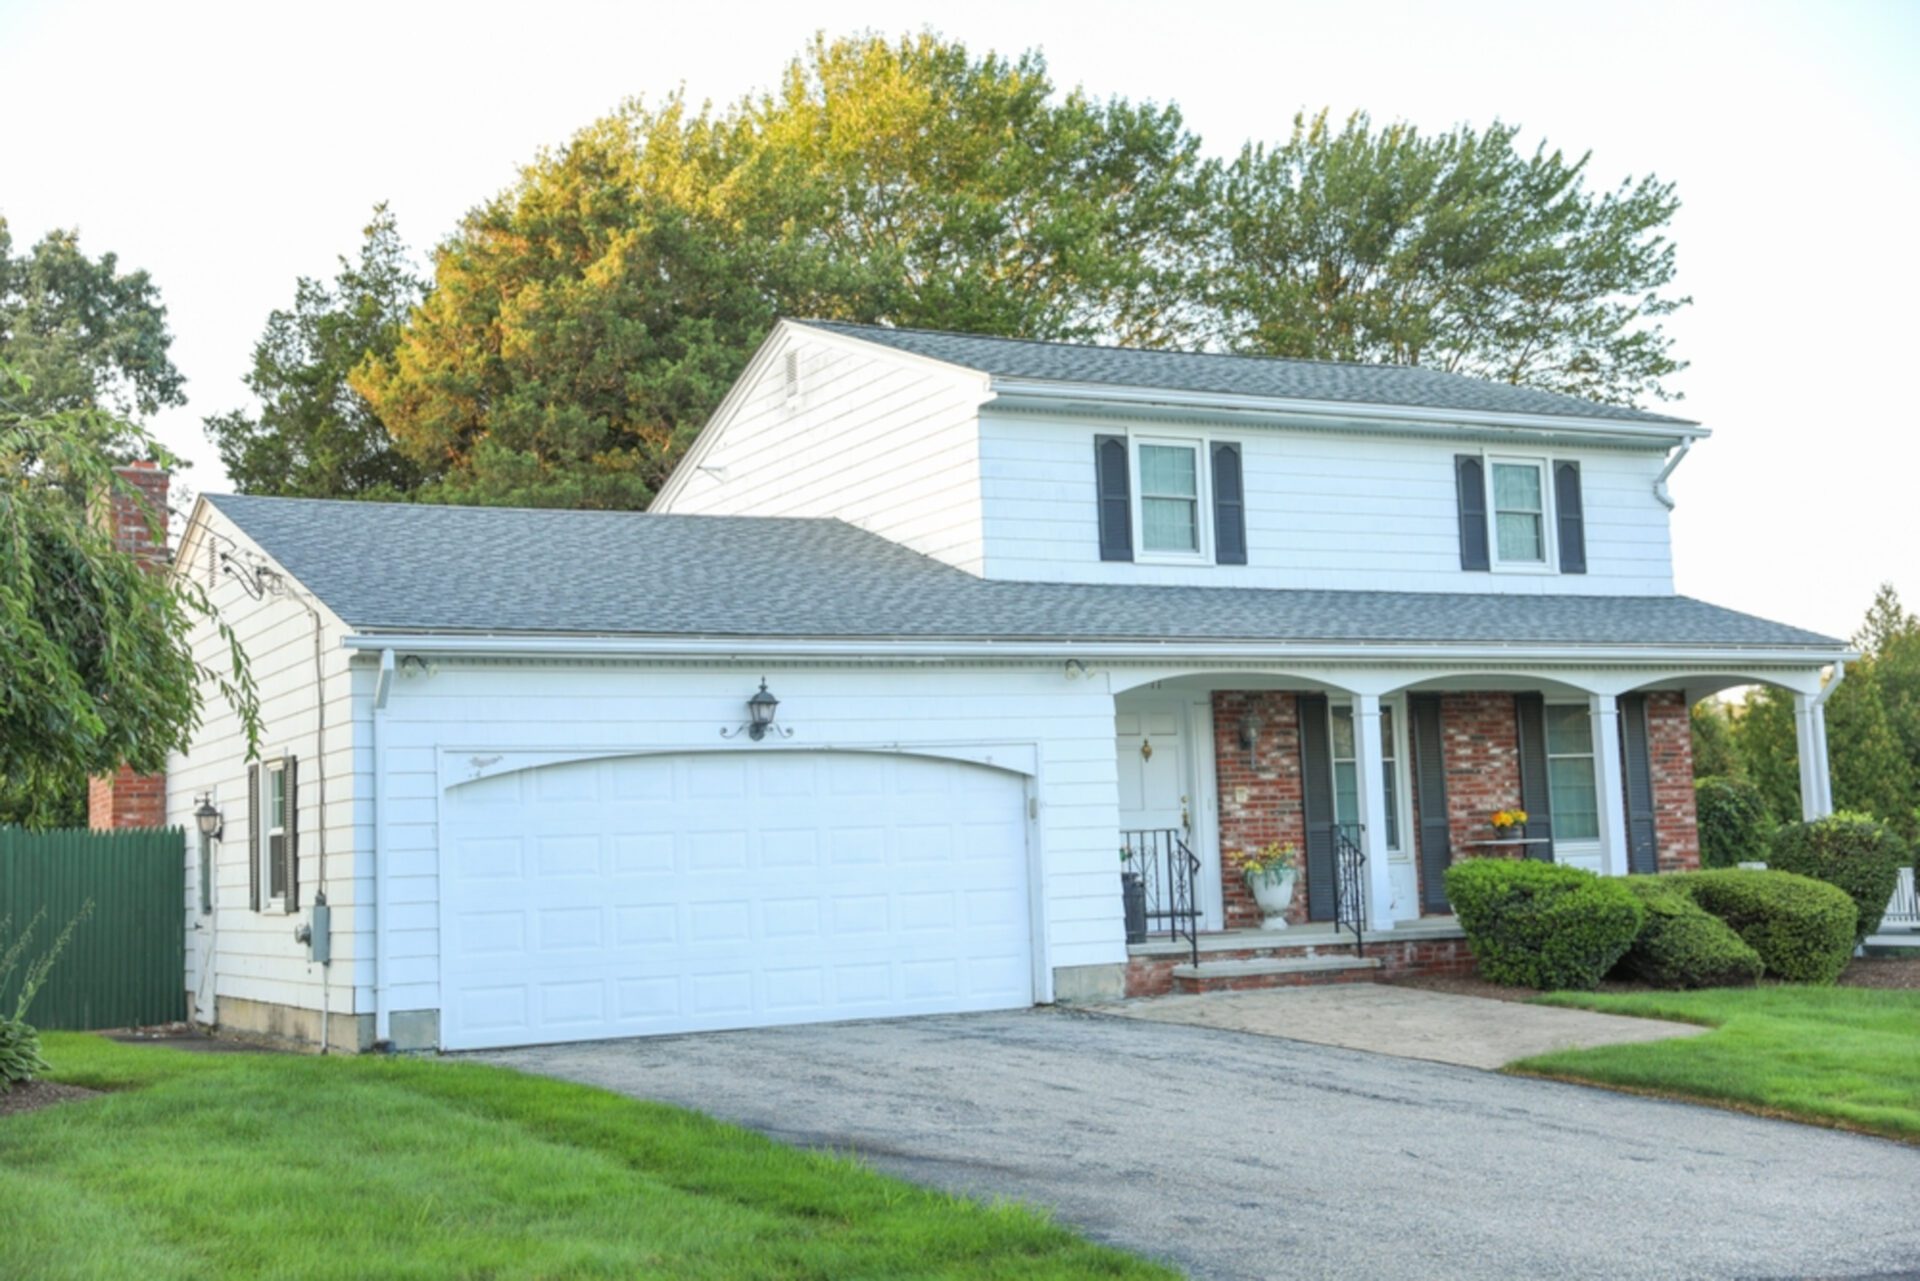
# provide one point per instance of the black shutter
(1643, 847)
(1430, 794)
(1116, 501)
(292, 842)
(1229, 506)
(1470, 485)
(254, 839)
(1536, 798)
(1573, 518)
(1316, 796)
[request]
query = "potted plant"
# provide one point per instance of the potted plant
(1509, 824)
(1133, 898)
(1270, 873)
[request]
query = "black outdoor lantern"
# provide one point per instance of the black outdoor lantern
(760, 710)
(207, 818)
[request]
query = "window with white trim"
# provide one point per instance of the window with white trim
(1171, 499)
(1518, 501)
(1571, 786)
(273, 830)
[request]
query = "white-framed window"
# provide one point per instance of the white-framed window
(275, 806)
(1170, 498)
(1346, 773)
(1517, 497)
(1572, 787)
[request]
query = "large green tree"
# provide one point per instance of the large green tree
(583, 324)
(1454, 250)
(81, 334)
(99, 672)
(314, 435)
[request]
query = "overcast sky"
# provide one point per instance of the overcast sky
(230, 149)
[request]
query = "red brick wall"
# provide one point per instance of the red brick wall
(1670, 753)
(126, 799)
(1480, 738)
(1259, 793)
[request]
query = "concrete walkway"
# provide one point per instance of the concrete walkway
(1410, 1023)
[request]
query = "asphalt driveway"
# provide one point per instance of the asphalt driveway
(1237, 1156)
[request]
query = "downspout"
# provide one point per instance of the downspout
(1660, 481)
(382, 1017)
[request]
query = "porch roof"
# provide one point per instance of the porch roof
(395, 567)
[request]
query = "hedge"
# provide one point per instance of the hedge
(1855, 852)
(1542, 925)
(1802, 928)
(1732, 819)
(1681, 945)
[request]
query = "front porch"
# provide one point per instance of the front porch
(1379, 781)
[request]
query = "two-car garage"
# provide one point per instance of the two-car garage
(648, 894)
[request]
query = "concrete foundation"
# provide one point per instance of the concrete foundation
(414, 1029)
(294, 1027)
(1089, 984)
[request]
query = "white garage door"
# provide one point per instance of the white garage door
(656, 894)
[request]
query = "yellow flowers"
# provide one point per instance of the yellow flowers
(1505, 819)
(1269, 860)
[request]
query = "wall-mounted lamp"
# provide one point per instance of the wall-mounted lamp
(1249, 732)
(760, 710)
(207, 819)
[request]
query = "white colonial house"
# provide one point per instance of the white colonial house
(932, 645)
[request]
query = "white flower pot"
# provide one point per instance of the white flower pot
(1273, 894)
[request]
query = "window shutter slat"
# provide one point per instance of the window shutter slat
(1536, 798)
(1572, 516)
(1643, 845)
(1116, 500)
(1430, 793)
(1470, 488)
(255, 842)
(292, 842)
(1229, 505)
(1316, 803)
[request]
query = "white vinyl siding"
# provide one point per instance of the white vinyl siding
(1572, 789)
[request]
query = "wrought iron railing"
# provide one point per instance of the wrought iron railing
(1168, 882)
(1349, 880)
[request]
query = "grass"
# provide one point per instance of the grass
(210, 1166)
(1837, 1056)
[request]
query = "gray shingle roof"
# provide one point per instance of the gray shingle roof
(1402, 385)
(390, 566)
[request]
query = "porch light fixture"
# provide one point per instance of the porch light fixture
(760, 710)
(1249, 732)
(207, 818)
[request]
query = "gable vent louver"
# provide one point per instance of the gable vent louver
(791, 373)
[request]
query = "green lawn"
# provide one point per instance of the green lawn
(1840, 1056)
(207, 1166)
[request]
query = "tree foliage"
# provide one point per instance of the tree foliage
(1454, 250)
(315, 436)
(81, 334)
(94, 645)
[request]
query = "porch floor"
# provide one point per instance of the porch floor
(1316, 934)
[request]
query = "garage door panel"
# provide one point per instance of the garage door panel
(622, 900)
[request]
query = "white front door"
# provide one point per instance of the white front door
(1161, 784)
(653, 894)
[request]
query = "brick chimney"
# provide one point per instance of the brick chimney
(124, 798)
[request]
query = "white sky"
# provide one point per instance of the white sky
(230, 149)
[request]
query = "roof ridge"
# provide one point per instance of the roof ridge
(361, 503)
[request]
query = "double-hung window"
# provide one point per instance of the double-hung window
(1170, 498)
(1574, 795)
(274, 803)
(1519, 512)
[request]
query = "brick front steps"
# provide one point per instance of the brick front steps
(1237, 960)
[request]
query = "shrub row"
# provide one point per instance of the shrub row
(1543, 925)
(1683, 945)
(1854, 852)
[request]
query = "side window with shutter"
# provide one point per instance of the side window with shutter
(1470, 487)
(1229, 505)
(273, 810)
(1572, 518)
(1110, 472)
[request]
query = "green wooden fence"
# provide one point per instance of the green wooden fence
(124, 966)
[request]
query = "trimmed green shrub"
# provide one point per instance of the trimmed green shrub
(1856, 852)
(1732, 817)
(1802, 928)
(1682, 945)
(1542, 925)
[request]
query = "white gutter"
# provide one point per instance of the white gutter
(382, 1015)
(1042, 391)
(1660, 481)
(521, 646)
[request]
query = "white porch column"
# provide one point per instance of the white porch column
(1372, 770)
(1610, 780)
(1810, 739)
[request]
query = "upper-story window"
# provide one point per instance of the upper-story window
(1520, 515)
(1170, 498)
